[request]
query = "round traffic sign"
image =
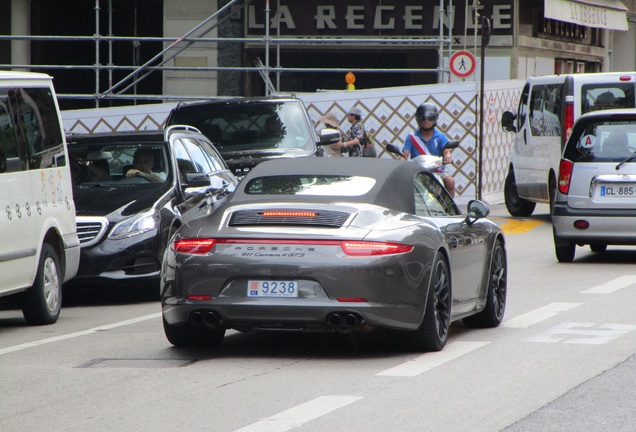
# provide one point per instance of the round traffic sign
(462, 64)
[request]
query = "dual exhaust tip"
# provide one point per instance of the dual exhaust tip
(341, 321)
(208, 319)
(344, 321)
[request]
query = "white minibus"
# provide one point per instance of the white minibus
(39, 247)
(548, 107)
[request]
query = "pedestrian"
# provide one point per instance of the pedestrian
(355, 139)
(427, 139)
(330, 120)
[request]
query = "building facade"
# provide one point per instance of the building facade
(117, 52)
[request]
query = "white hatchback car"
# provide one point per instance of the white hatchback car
(595, 203)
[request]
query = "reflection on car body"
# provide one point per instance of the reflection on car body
(130, 191)
(335, 245)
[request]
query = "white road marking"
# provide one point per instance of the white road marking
(77, 334)
(611, 286)
(298, 415)
(538, 315)
(590, 333)
(430, 360)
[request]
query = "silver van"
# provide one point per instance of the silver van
(39, 247)
(548, 107)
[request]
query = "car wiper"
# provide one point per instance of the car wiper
(629, 159)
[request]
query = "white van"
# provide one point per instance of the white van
(39, 248)
(548, 107)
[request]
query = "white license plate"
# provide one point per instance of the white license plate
(617, 190)
(277, 288)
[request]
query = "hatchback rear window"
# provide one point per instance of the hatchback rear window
(310, 185)
(603, 141)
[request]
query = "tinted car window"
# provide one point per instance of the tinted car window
(184, 162)
(8, 145)
(602, 141)
(545, 110)
(215, 159)
(197, 154)
(262, 127)
(600, 97)
(110, 163)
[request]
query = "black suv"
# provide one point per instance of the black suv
(131, 190)
(247, 131)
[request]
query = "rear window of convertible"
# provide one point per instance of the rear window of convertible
(310, 185)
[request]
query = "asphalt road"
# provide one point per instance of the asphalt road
(563, 360)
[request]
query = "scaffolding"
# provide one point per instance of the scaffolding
(198, 34)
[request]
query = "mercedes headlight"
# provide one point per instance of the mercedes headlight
(135, 225)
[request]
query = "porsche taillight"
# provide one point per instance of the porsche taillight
(565, 176)
(198, 246)
(202, 246)
(365, 248)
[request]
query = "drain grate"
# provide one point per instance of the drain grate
(136, 363)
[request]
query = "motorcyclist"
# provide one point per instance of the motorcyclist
(427, 139)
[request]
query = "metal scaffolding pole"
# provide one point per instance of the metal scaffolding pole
(197, 35)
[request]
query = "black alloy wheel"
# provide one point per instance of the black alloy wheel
(433, 332)
(493, 313)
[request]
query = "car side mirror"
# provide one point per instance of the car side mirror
(477, 209)
(508, 122)
(197, 180)
(328, 136)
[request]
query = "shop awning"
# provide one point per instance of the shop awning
(605, 14)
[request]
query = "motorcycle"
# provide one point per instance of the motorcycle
(430, 162)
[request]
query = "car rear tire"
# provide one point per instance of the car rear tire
(41, 304)
(564, 249)
(433, 331)
(493, 312)
(598, 247)
(516, 205)
(193, 336)
(552, 192)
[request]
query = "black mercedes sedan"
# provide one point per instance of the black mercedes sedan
(131, 190)
(335, 245)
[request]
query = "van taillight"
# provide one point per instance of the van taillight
(625, 78)
(565, 176)
(568, 121)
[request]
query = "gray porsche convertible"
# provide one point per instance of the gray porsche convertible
(335, 245)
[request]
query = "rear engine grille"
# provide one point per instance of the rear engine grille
(324, 218)
(90, 230)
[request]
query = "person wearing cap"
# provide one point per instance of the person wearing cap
(427, 139)
(330, 120)
(355, 139)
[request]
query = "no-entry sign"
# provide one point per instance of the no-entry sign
(462, 64)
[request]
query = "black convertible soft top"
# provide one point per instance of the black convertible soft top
(393, 188)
